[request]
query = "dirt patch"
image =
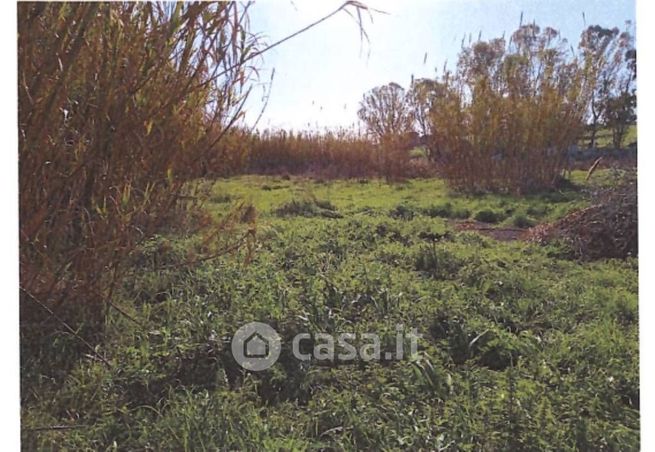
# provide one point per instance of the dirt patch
(498, 233)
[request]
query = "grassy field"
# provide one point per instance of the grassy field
(604, 138)
(521, 347)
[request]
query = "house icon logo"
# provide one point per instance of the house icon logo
(256, 346)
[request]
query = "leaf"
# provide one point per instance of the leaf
(477, 338)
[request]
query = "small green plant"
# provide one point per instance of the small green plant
(441, 210)
(221, 199)
(489, 216)
(447, 210)
(522, 221)
(437, 262)
(538, 210)
(307, 208)
(403, 212)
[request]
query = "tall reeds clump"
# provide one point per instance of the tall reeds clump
(119, 106)
(510, 112)
(230, 155)
(331, 153)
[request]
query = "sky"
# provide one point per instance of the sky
(321, 75)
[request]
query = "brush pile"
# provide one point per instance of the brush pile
(607, 229)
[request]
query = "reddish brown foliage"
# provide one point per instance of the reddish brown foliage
(116, 105)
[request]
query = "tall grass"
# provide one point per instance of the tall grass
(119, 106)
(332, 153)
(510, 112)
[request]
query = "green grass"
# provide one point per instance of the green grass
(375, 197)
(604, 138)
(520, 349)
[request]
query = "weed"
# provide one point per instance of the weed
(221, 199)
(307, 208)
(446, 210)
(522, 221)
(403, 212)
(437, 262)
(515, 342)
(489, 216)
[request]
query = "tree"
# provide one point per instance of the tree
(601, 50)
(385, 112)
(620, 107)
(620, 114)
(423, 97)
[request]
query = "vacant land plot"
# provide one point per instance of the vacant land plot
(520, 346)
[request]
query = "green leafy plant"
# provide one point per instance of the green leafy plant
(489, 216)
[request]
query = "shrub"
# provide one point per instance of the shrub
(461, 213)
(489, 216)
(403, 212)
(522, 221)
(441, 210)
(437, 262)
(447, 210)
(537, 210)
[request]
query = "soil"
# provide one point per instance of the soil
(503, 234)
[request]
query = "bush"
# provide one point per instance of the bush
(489, 216)
(447, 210)
(437, 262)
(403, 212)
(522, 221)
(441, 210)
(538, 210)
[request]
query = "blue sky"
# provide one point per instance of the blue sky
(320, 76)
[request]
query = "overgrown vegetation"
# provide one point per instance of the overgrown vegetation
(143, 247)
(506, 119)
(119, 106)
(511, 111)
(523, 348)
(331, 154)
